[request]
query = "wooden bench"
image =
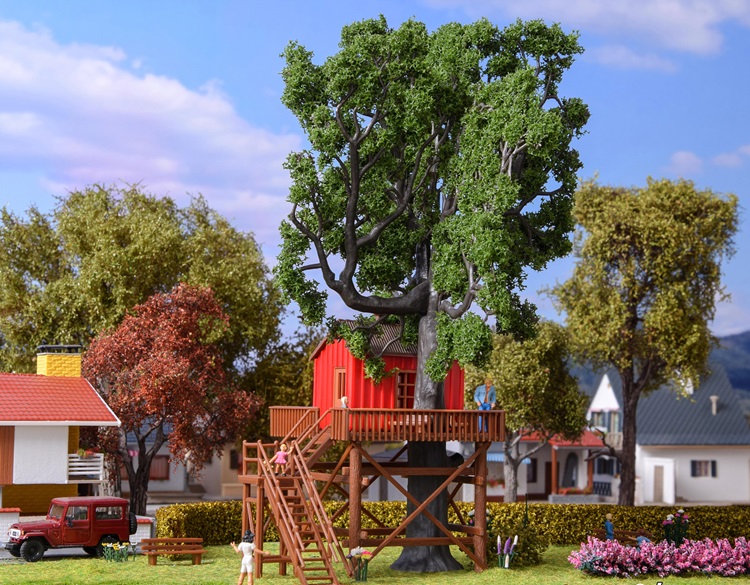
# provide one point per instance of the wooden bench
(153, 547)
(627, 537)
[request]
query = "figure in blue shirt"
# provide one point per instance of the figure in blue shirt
(609, 528)
(484, 396)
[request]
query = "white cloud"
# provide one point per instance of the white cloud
(79, 113)
(684, 164)
(731, 317)
(732, 159)
(622, 57)
(682, 25)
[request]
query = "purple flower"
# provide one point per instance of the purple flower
(507, 546)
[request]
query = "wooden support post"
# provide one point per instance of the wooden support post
(554, 470)
(480, 508)
(260, 512)
(355, 496)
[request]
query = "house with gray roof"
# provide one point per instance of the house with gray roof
(693, 448)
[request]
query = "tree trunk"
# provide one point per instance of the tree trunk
(510, 467)
(139, 489)
(627, 457)
(428, 394)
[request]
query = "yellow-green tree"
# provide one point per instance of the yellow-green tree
(535, 388)
(645, 287)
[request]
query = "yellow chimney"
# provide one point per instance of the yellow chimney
(59, 360)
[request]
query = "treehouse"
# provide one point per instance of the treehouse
(381, 412)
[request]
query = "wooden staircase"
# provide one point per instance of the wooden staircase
(298, 512)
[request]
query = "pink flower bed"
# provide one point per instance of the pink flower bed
(608, 557)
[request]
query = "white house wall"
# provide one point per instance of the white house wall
(604, 400)
(40, 455)
(731, 484)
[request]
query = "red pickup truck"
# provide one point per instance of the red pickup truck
(86, 522)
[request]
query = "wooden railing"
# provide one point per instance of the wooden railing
(387, 424)
(292, 420)
(383, 424)
(87, 469)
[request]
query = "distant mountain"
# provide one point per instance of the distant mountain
(734, 355)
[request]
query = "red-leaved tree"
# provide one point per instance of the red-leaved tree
(162, 374)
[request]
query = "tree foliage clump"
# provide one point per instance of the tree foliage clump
(162, 374)
(428, 171)
(645, 288)
(67, 275)
(536, 390)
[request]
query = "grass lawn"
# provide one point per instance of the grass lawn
(221, 565)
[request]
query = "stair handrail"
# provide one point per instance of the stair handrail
(287, 522)
(315, 505)
(289, 437)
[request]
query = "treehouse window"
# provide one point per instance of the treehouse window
(405, 389)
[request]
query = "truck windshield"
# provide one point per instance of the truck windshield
(55, 511)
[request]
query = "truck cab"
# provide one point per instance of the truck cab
(87, 522)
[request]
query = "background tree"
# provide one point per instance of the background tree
(70, 274)
(537, 392)
(283, 376)
(440, 167)
(645, 287)
(162, 374)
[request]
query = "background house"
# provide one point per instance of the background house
(40, 417)
(689, 449)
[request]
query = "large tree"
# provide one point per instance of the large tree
(162, 373)
(536, 390)
(67, 275)
(440, 167)
(645, 287)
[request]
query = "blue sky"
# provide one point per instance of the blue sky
(183, 96)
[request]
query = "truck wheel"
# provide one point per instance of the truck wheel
(15, 551)
(92, 551)
(133, 523)
(105, 539)
(32, 550)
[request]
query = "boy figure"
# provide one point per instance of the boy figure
(247, 549)
(609, 528)
(484, 396)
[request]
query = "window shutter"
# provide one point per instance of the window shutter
(693, 469)
(713, 468)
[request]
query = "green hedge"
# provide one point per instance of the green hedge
(221, 522)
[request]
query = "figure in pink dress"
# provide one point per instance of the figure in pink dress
(279, 460)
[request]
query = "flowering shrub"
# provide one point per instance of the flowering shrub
(115, 551)
(675, 527)
(609, 557)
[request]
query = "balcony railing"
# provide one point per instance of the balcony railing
(86, 469)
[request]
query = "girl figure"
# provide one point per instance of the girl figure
(247, 549)
(279, 459)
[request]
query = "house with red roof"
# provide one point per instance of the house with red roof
(40, 418)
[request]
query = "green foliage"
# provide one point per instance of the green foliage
(282, 376)
(648, 276)
(424, 189)
(71, 274)
(528, 551)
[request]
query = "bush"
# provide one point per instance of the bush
(556, 524)
(609, 557)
